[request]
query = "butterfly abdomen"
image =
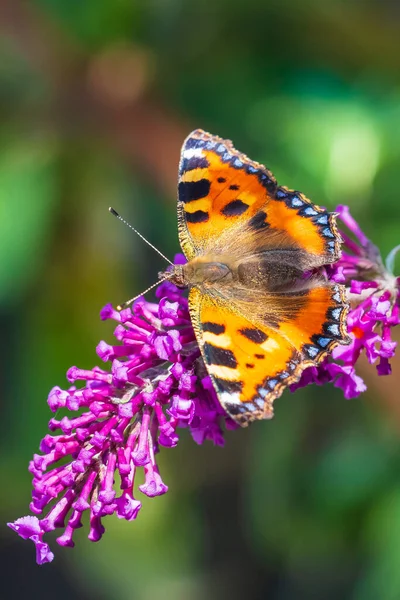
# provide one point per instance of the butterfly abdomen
(260, 273)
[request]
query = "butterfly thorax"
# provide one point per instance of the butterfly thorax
(203, 270)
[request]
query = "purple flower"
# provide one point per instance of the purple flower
(124, 415)
(374, 295)
(29, 528)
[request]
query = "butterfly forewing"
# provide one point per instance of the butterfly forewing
(222, 194)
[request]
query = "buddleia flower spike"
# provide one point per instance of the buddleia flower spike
(128, 412)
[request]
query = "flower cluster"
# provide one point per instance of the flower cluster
(157, 384)
(374, 296)
(127, 413)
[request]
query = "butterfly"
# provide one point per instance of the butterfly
(259, 300)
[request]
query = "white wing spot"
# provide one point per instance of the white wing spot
(190, 152)
(227, 398)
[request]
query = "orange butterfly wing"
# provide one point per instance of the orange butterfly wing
(250, 362)
(221, 189)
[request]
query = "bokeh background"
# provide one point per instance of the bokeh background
(96, 97)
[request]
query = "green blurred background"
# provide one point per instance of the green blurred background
(96, 97)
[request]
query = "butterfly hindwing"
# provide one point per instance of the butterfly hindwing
(251, 361)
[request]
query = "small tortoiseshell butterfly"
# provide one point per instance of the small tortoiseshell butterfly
(260, 304)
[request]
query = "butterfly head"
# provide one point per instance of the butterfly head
(175, 275)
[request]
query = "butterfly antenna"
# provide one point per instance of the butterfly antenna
(129, 302)
(114, 212)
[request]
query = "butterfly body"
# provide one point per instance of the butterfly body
(259, 299)
(252, 272)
